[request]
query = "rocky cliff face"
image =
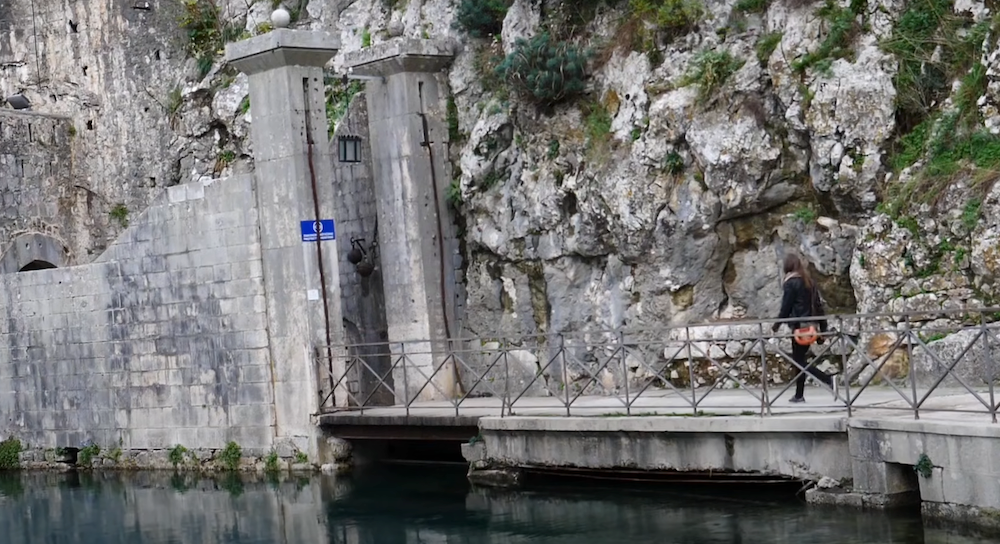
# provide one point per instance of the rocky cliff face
(705, 140)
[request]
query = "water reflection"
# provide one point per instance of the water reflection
(408, 506)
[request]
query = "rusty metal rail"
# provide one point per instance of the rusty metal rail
(939, 360)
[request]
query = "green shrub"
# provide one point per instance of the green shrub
(970, 213)
(230, 456)
(301, 457)
(752, 6)
(10, 454)
(454, 194)
(86, 455)
(766, 45)
(244, 106)
(673, 17)
(338, 99)
(841, 28)
(174, 101)
(176, 455)
(710, 70)
(366, 38)
(673, 163)
(597, 123)
(119, 214)
(481, 18)
(911, 146)
(805, 214)
(932, 46)
(544, 70)
(206, 33)
(271, 462)
(553, 151)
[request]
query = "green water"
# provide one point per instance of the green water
(389, 505)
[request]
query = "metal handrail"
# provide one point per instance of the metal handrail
(475, 364)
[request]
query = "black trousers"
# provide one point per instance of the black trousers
(800, 354)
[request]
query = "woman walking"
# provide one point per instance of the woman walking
(801, 299)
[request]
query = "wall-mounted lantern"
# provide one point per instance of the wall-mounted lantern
(357, 252)
(361, 259)
(349, 148)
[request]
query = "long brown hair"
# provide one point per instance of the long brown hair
(794, 264)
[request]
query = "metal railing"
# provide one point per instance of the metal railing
(939, 360)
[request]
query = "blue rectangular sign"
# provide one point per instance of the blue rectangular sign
(321, 230)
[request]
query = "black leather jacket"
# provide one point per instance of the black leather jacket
(800, 301)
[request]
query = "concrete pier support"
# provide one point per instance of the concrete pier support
(293, 192)
(407, 121)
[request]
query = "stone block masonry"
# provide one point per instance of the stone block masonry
(37, 189)
(161, 341)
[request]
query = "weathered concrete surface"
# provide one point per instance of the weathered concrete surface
(406, 116)
(807, 448)
(292, 156)
(961, 483)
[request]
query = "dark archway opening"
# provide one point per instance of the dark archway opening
(37, 265)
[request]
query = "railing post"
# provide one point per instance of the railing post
(765, 400)
(506, 385)
(694, 394)
(623, 357)
(843, 365)
(406, 379)
(909, 358)
(565, 371)
(990, 363)
(450, 354)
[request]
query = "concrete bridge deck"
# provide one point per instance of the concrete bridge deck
(947, 404)
(877, 455)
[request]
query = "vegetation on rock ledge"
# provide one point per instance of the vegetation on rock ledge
(934, 48)
(230, 456)
(842, 26)
(710, 71)
(10, 454)
(544, 70)
(482, 18)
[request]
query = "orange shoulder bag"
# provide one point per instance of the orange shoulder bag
(807, 336)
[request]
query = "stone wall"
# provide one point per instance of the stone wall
(37, 190)
(162, 341)
(110, 68)
(362, 298)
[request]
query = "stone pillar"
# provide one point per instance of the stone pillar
(409, 140)
(293, 186)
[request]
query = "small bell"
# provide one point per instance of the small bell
(354, 255)
(365, 269)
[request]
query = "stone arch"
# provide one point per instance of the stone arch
(32, 251)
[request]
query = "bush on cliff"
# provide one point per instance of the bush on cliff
(482, 18)
(544, 70)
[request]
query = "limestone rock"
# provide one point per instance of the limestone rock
(522, 20)
(827, 482)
